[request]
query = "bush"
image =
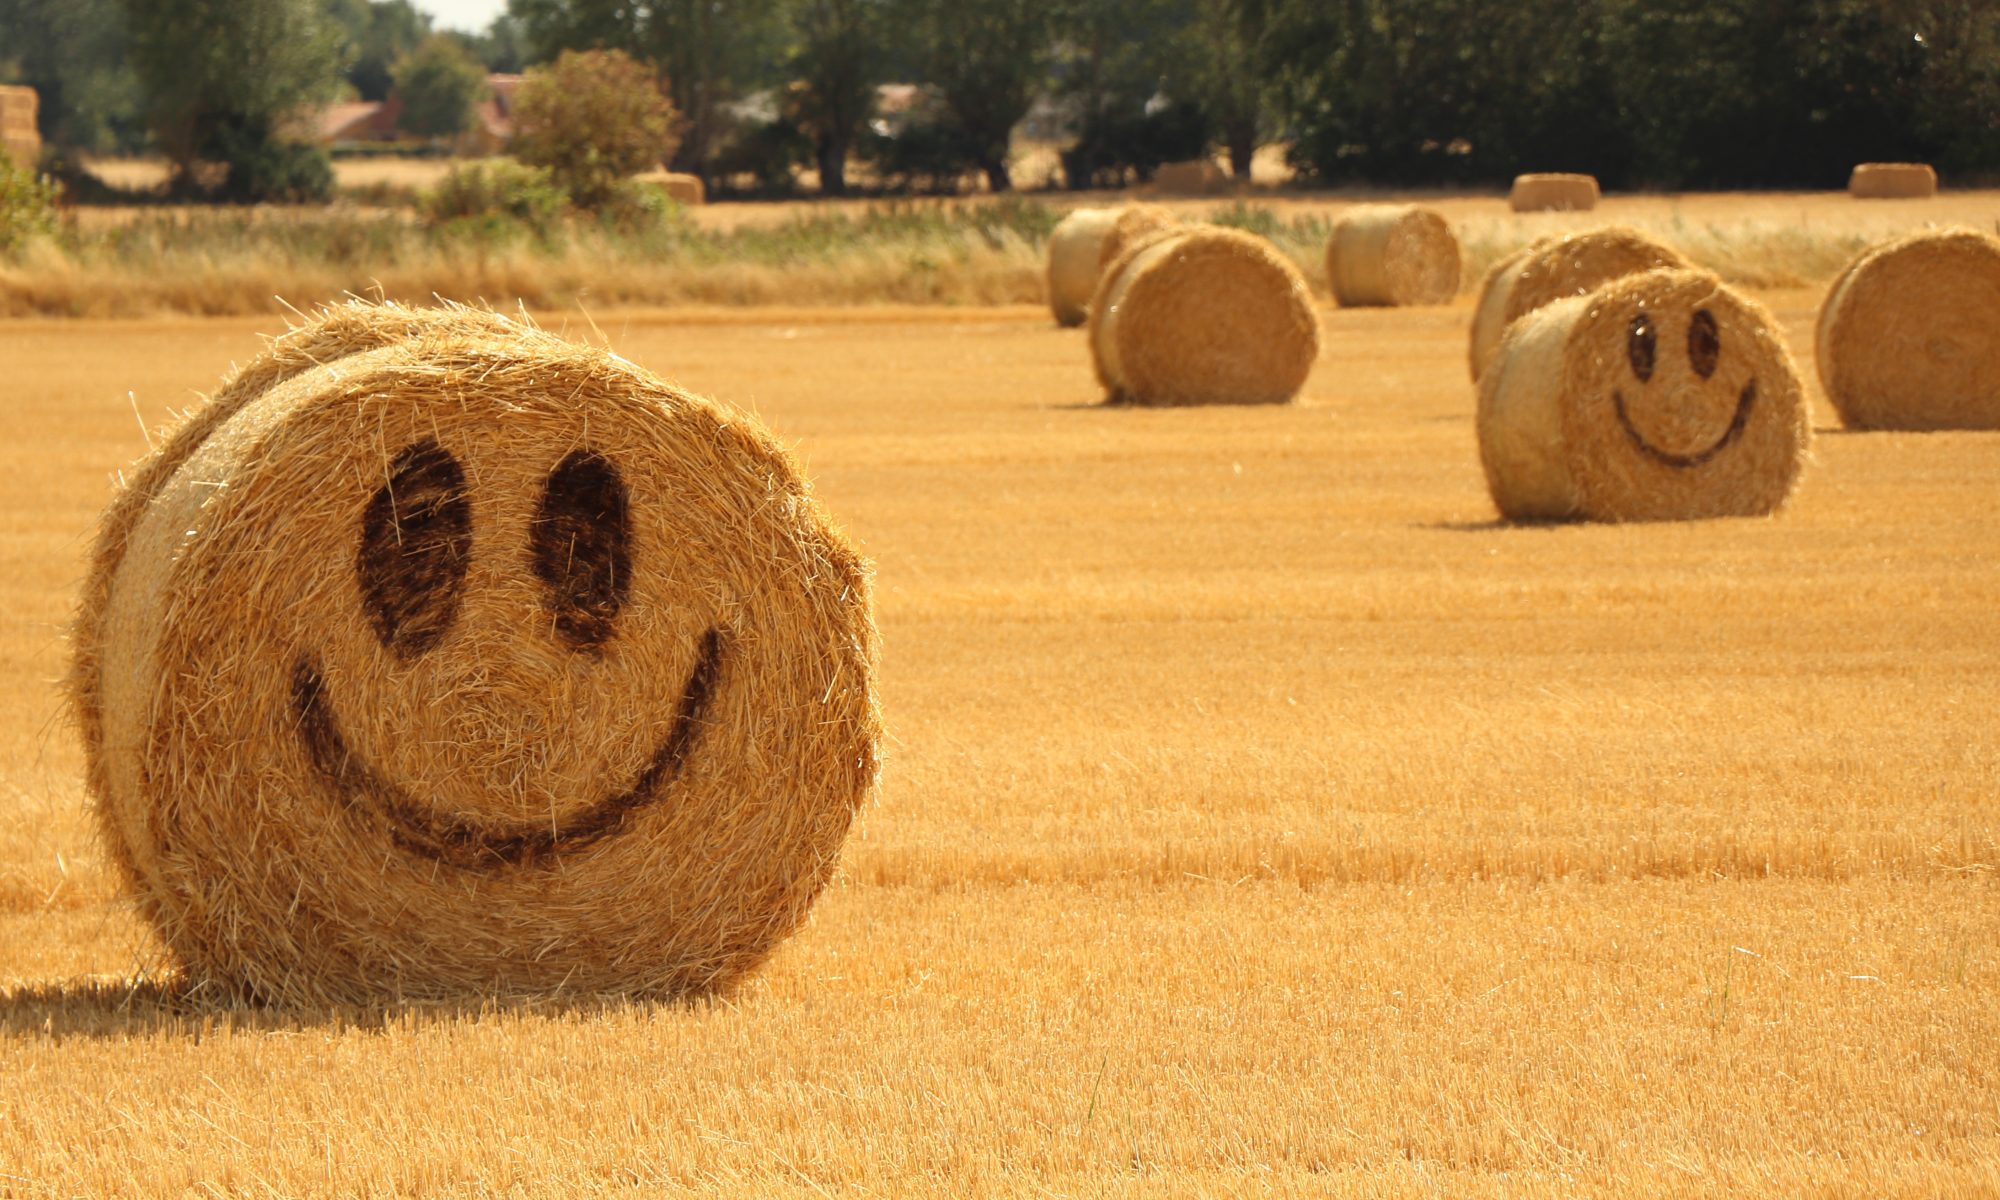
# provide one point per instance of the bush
(499, 188)
(27, 206)
(638, 208)
(592, 118)
(266, 170)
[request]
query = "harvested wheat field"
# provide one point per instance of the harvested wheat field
(1259, 815)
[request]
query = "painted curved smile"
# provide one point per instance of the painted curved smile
(456, 842)
(1735, 430)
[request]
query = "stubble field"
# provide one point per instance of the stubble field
(1260, 816)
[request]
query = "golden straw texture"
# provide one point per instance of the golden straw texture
(471, 661)
(1553, 193)
(1661, 396)
(1396, 255)
(1075, 248)
(1570, 265)
(1909, 335)
(1133, 223)
(1892, 181)
(1203, 316)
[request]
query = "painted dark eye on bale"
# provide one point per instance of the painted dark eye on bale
(1704, 343)
(1642, 346)
(580, 548)
(416, 544)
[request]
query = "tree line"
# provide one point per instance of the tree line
(1641, 93)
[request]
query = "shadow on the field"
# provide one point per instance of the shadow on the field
(107, 1008)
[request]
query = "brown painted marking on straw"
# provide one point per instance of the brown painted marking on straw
(1684, 461)
(1704, 343)
(580, 548)
(416, 545)
(472, 847)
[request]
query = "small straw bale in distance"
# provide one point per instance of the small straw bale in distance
(1396, 255)
(1075, 248)
(1661, 396)
(687, 189)
(1553, 192)
(1571, 264)
(1892, 181)
(1203, 316)
(1194, 177)
(1134, 223)
(438, 655)
(20, 138)
(1909, 335)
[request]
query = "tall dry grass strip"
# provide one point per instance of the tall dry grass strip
(20, 137)
(1909, 335)
(1075, 248)
(464, 659)
(1203, 316)
(1662, 396)
(1392, 255)
(1892, 181)
(1553, 192)
(1134, 223)
(1569, 265)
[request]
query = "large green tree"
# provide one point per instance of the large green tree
(73, 53)
(223, 79)
(440, 86)
(988, 59)
(709, 52)
(377, 35)
(836, 61)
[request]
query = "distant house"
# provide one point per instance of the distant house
(359, 124)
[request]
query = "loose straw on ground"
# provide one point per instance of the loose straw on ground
(1909, 335)
(539, 674)
(1203, 316)
(1398, 255)
(1661, 396)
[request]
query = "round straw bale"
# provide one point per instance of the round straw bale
(1134, 222)
(1555, 192)
(1892, 181)
(1074, 248)
(1661, 396)
(1203, 316)
(1569, 265)
(1194, 177)
(687, 189)
(1400, 255)
(471, 662)
(1489, 312)
(1909, 335)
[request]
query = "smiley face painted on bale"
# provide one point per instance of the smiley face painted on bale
(415, 547)
(1681, 420)
(477, 664)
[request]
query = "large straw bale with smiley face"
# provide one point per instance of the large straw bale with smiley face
(471, 660)
(1075, 254)
(1909, 335)
(1567, 265)
(1892, 181)
(1203, 316)
(1660, 396)
(1553, 191)
(1392, 255)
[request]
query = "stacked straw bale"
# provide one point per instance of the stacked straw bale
(20, 139)
(1569, 265)
(1075, 248)
(438, 655)
(1555, 192)
(1661, 396)
(687, 189)
(1134, 223)
(1909, 335)
(1203, 316)
(1396, 255)
(1892, 181)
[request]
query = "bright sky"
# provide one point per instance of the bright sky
(469, 15)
